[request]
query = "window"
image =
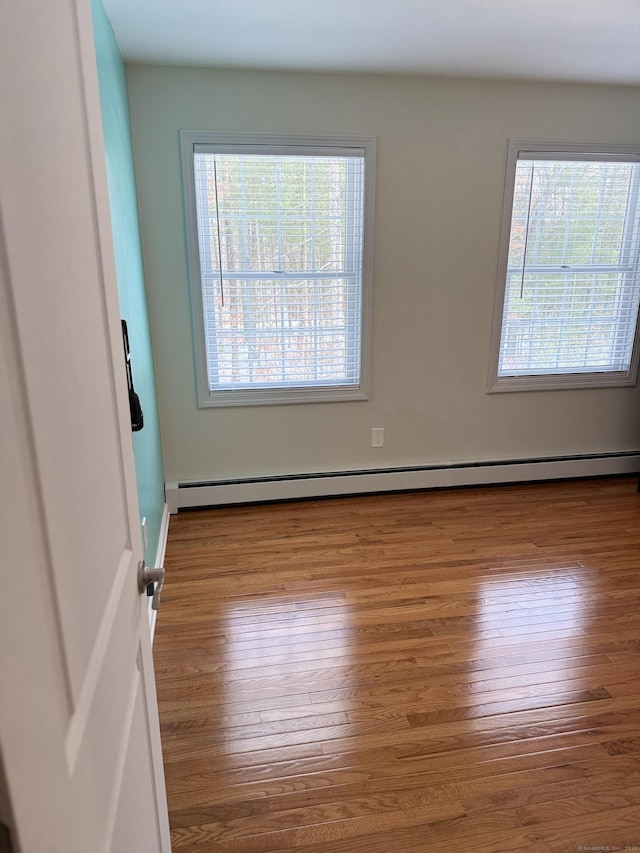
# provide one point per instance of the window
(569, 280)
(279, 233)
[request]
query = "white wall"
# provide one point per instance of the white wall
(442, 147)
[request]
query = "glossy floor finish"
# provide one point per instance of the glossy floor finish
(441, 671)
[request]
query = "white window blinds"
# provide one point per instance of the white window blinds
(280, 239)
(572, 278)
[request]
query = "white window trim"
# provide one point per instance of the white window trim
(557, 381)
(270, 396)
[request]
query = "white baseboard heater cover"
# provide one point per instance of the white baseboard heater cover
(187, 495)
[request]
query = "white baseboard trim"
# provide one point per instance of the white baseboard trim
(159, 561)
(188, 495)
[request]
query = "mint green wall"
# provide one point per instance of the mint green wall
(128, 252)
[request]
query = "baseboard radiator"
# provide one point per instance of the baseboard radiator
(190, 495)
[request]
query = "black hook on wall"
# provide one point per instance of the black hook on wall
(135, 409)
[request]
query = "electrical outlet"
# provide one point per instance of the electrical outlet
(377, 437)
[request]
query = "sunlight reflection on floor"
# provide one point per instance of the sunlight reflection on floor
(543, 610)
(268, 649)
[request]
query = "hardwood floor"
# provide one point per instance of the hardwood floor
(441, 671)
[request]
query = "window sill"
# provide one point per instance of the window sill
(561, 382)
(280, 396)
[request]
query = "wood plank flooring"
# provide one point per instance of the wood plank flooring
(440, 671)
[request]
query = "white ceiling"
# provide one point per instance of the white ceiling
(573, 40)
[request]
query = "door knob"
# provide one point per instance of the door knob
(147, 576)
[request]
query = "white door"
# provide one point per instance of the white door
(79, 734)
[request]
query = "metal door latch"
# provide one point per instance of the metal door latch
(147, 576)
